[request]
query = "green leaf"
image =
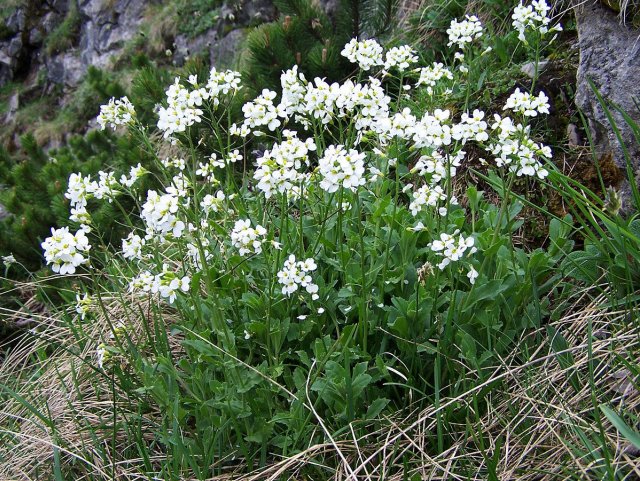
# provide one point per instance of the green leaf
(629, 434)
(376, 408)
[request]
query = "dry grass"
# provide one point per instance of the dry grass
(534, 416)
(62, 403)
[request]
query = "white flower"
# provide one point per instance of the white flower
(116, 112)
(167, 283)
(84, 305)
(472, 275)
(212, 204)
(462, 33)
(526, 104)
(262, 112)
(175, 163)
(293, 90)
(134, 174)
(222, 83)
(367, 53)
(282, 169)
(107, 186)
(430, 76)
(160, 213)
(80, 189)
(534, 17)
(400, 57)
(430, 196)
(341, 168)
(102, 355)
(64, 250)
(247, 239)
(182, 110)
(471, 128)
(8, 260)
(132, 246)
(514, 148)
(295, 275)
(452, 249)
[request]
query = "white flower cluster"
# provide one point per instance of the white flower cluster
(430, 76)
(247, 239)
(134, 174)
(183, 105)
(432, 131)
(432, 196)
(279, 168)
(9, 260)
(295, 274)
(262, 112)
(222, 83)
(132, 246)
(167, 283)
(439, 167)
(471, 128)
(400, 125)
(65, 251)
(183, 109)
(107, 186)
(514, 148)
(293, 89)
(464, 32)
(340, 167)
(174, 163)
(159, 213)
(400, 57)
(212, 203)
(79, 190)
(366, 53)
(116, 112)
(533, 17)
(526, 104)
(452, 249)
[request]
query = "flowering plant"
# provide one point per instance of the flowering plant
(326, 238)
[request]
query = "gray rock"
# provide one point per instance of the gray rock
(573, 135)
(529, 69)
(12, 107)
(15, 47)
(107, 25)
(66, 68)
(4, 213)
(6, 67)
(16, 21)
(610, 57)
(225, 52)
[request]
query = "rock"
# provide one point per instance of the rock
(16, 21)
(529, 69)
(66, 68)
(184, 47)
(610, 57)
(12, 107)
(573, 135)
(6, 68)
(106, 26)
(4, 213)
(225, 52)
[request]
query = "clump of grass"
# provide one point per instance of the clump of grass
(64, 36)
